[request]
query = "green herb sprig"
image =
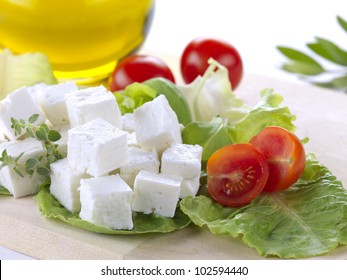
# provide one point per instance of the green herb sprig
(311, 70)
(41, 133)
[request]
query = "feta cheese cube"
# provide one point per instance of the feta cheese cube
(128, 123)
(189, 187)
(97, 147)
(156, 125)
(21, 186)
(139, 159)
(65, 182)
(106, 201)
(156, 193)
(182, 160)
(52, 102)
(18, 105)
(90, 103)
(132, 142)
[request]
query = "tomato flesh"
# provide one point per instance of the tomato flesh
(138, 68)
(237, 174)
(194, 59)
(285, 155)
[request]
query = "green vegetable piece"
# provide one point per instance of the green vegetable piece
(329, 51)
(33, 118)
(54, 136)
(300, 62)
(133, 96)
(342, 23)
(174, 96)
(303, 68)
(25, 69)
(210, 135)
(267, 112)
(297, 55)
(4, 191)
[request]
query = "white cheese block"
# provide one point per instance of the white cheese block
(52, 102)
(18, 105)
(156, 125)
(65, 182)
(156, 193)
(106, 201)
(21, 186)
(132, 142)
(139, 159)
(91, 103)
(183, 160)
(189, 187)
(128, 122)
(97, 147)
(62, 142)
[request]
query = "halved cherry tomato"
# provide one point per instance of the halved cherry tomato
(285, 155)
(237, 174)
(138, 68)
(198, 51)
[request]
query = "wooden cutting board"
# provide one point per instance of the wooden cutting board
(321, 116)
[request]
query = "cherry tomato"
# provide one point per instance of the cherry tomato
(197, 52)
(237, 174)
(285, 155)
(138, 68)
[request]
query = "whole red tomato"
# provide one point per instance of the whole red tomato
(138, 68)
(198, 51)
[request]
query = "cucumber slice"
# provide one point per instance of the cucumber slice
(23, 70)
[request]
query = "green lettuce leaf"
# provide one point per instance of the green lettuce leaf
(23, 70)
(219, 131)
(133, 96)
(136, 94)
(4, 191)
(174, 96)
(211, 135)
(306, 220)
(211, 95)
(51, 208)
(266, 113)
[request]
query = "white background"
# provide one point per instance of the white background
(254, 27)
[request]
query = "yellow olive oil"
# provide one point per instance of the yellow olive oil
(82, 38)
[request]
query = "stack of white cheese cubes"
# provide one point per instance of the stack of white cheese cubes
(115, 165)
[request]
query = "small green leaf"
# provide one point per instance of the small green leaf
(44, 171)
(340, 82)
(329, 51)
(45, 127)
(4, 154)
(297, 55)
(17, 128)
(34, 118)
(30, 132)
(302, 68)
(29, 171)
(53, 135)
(18, 158)
(51, 159)
(41, 134)
(31, 163)
(342, 23)
(18, 171)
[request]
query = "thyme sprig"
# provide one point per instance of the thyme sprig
(41, 133)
